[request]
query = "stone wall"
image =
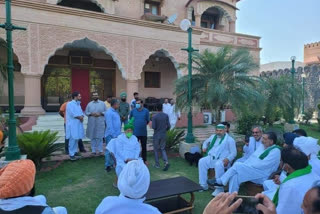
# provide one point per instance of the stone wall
(312, 84)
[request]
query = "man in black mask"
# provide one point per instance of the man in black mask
(124, 108)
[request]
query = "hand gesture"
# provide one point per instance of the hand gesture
(267, 207)
(276, 179)
(222, 204)
(225, 162)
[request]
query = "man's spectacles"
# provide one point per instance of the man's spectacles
(255, 132)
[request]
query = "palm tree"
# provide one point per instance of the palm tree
(219, 79)
(277, 98)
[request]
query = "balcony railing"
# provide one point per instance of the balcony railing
(215, 37)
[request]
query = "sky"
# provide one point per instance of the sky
(283, 25)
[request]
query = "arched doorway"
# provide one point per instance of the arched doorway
(158, 77)
(91, 5)
(212, 18)
(79, 66)
(18, 80)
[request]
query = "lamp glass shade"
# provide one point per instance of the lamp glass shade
(185, 24)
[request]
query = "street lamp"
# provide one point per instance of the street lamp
(303, 85)
(13, 151)
(293, 59)
(185, 25)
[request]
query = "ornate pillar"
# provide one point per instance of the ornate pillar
(232, 26)
(32, 95)
(132, 86)
(198, 20)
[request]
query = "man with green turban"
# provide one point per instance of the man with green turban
(219, 151)
(125, 147)
(124, 108)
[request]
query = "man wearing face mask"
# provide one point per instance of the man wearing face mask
(257, 168)
(74, 124)
(141, 120)
(299, 180)
(220, 150)
(96, 125)
(124, 108)
(125, 147)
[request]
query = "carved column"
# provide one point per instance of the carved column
(198, 20)
(32, 95)
(232, 26)
(132, 86)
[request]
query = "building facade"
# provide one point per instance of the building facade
(109, 46)
(312, 53)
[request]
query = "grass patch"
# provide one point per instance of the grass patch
(80, 186)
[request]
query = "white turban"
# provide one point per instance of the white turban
(307, 145)
(134, 179)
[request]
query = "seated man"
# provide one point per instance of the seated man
(311, 201)
(257, 168)
(17, 190)
(125, 147)
(254, 142)
(310, 147)
(133, 183)
(220, 150)
(290, 194)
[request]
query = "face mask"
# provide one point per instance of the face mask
(283, 175)
(138, 105)
(129, 134)
(123, 99)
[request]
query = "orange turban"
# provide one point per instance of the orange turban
(17, 178)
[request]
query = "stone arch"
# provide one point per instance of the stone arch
(96, 45)
(227, 11)
(97, 2)
(172, 59)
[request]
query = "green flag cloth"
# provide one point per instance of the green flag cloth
(295, 174)
(212, 143)
(268, 150)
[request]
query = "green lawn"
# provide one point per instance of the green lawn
(80, 186)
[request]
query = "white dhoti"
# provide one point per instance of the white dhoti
(239, 173)
(207, 163)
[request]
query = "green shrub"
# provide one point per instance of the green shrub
(38, 145)
(245, 123)
(308, 115)
(174, 137)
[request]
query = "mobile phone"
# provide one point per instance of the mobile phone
(248, 205)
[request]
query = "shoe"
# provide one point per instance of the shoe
(166, 167)
(217, 191)
(211, 182)
(203, 189)
(156, 166)
(83, 151)
(77, 154)
(73, 158)
(93, 154)
(108, 168)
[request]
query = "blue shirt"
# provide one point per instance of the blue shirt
(141, 119)
(113, 123)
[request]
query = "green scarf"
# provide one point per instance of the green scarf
(295, 174)
(267, 151)
(212, 143)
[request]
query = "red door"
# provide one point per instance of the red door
(80, 83)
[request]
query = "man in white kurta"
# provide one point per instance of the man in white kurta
(220, 150)
(133, 183)
(257, 168)
(166, 107)
(173, 114)
(310, 147)
(74, 124)
(96, 124)
(254, 143)
(290, 194)
(124, 148)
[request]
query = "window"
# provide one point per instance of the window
(152, 79)
(152, 7)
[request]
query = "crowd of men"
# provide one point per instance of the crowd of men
(289, 174)
(105, 122)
